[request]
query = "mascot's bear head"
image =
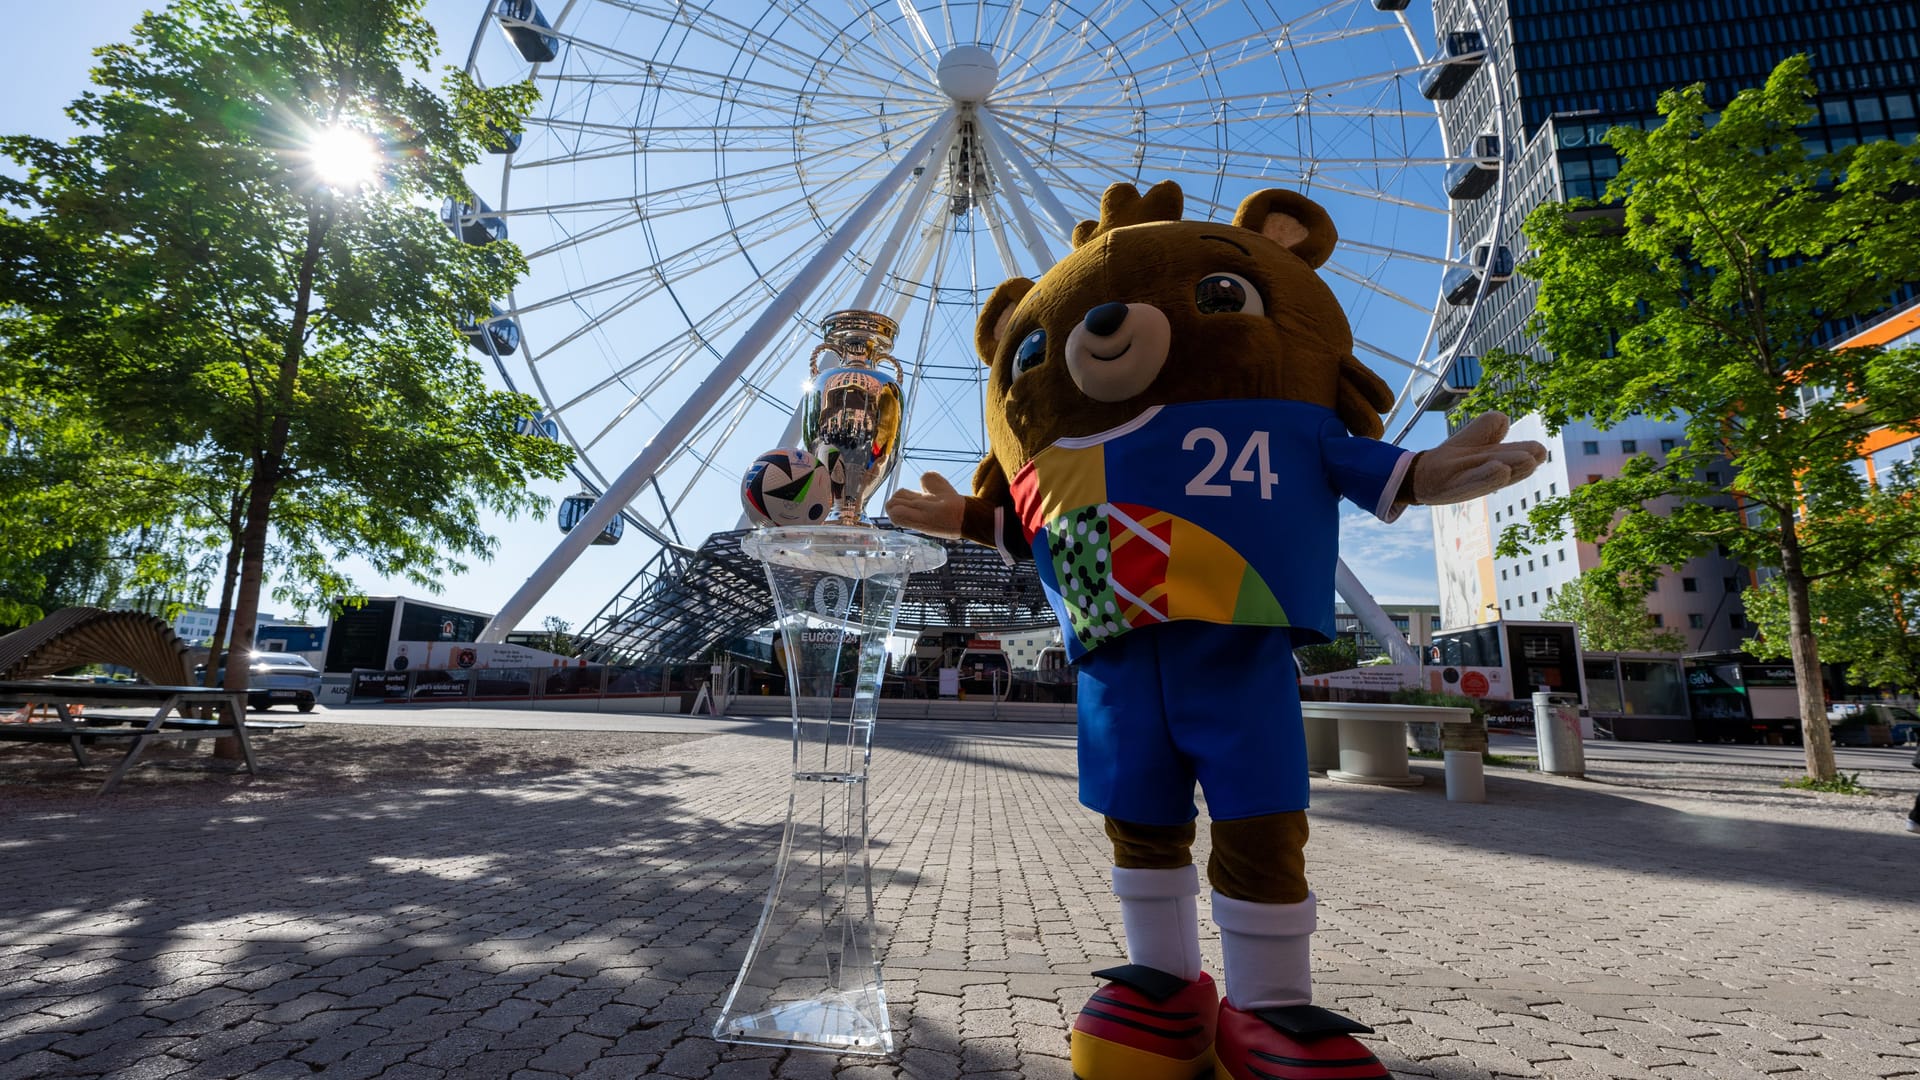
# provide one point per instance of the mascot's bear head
(1149, 309)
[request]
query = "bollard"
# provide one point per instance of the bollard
(1466, 776)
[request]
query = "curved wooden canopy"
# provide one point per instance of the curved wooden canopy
(71, 637)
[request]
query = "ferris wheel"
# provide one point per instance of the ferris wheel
(700, 183)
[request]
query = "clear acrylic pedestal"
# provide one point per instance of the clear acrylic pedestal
(810, 979)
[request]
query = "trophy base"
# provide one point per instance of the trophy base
(846, 1022)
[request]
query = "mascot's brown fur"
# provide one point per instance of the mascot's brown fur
(1150, 310)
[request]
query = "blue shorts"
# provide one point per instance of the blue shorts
(1162, 707)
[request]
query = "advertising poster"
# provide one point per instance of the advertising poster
(1463, 555)
(1385, 678)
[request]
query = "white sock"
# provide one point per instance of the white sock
(1161, 912)
(1267, 951)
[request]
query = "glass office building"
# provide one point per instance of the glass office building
(1571, 69)
(1565, 71)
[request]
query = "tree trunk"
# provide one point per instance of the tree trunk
(228, 577)
(269, 465)
(1814, 735)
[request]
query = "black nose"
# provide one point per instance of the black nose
(1106, 319)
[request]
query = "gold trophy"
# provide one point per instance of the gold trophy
(851, 413)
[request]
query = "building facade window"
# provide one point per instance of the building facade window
(1590, 447)
(1629, 446)
(1688, 584)
(1696, 621)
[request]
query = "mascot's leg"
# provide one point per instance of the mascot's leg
(1269, 1029)
(1154, 1019)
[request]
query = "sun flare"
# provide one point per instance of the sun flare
(343, 158)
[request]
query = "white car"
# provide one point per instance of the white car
(277, 678)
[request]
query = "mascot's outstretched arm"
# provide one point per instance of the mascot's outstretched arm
(936, 509)
(986, 518)
(1471, 463)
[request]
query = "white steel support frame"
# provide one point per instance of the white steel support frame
(1063, 220)
(914, 207)
(1029, 231)
(757, 336)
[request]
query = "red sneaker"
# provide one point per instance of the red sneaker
(1303, 1042)
(1145, 1025)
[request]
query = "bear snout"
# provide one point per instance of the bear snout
(1117, 350)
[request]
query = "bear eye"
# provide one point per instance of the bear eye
(1227, 294)
(1032, 350)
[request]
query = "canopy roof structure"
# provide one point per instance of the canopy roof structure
(686, 602)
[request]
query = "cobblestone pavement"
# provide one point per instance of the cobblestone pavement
(587, 924)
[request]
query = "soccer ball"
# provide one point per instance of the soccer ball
(786, 487)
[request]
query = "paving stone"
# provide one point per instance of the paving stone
(589, 926)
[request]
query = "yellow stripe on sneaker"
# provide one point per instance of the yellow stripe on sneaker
(1098, 1059)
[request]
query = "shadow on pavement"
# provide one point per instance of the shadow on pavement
(1572, 822)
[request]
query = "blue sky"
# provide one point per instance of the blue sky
(1395, 561)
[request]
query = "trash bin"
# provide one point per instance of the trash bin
(1556, 729)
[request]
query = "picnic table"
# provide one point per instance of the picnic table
(68, 700)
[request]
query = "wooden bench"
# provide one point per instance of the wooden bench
(1362, 743)
(69, 700)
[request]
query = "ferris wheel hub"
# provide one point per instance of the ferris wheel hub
(968, 73)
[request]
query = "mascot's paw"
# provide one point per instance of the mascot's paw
(1304, 1042)
(1145, 1025)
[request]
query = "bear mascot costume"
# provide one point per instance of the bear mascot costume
(1174, 412)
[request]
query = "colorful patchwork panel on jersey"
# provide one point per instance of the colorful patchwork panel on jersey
(1220, 511)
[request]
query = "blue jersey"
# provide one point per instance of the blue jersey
(1217, 511)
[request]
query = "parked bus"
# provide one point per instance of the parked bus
(1504, 663)
(393, 633)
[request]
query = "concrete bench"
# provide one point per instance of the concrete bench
(1362, 743)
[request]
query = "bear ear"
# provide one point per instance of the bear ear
(992, 327)
(1291, 220)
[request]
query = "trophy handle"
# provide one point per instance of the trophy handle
(899, 373)
(813, 362)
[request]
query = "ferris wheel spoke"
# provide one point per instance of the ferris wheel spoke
(1042, 30)
(1171, 79)
(1366, 281)
(697, 83)
(1023, 217)
(913, 206)
(996, 231)
(1062, 220)
(1009, 22)
(716, 27)
(1299, 94)
(708, 137)
(1385, 251)
(1389, 357)
(911, 13)
(775, 221)
(647, 207)
(882, 89)
(870, 18)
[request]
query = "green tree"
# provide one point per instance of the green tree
(1610, 617)
(1709, 298)
(201, 272)
(1337, 655)
(1868, 617)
